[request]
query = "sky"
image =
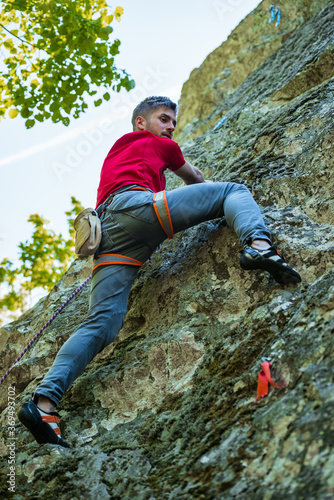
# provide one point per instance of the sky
(41, 168)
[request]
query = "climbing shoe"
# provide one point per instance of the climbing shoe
(270, 260)
(42, 425)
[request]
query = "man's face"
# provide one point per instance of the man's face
(161, 122)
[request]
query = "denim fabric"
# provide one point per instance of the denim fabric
(136, 233)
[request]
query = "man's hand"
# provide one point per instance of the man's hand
(189, 174)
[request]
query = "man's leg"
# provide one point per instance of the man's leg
(110, 289)
(204, 201)
(196, 203)
(108, 302)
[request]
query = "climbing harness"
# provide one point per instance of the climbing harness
(45, 326)
(264, 379)
(162, 212)
(275, 13)
(87, 225)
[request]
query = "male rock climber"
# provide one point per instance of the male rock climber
(136, 218)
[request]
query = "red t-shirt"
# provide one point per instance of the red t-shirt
(138, 158)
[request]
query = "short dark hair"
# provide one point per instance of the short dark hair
(146, 107)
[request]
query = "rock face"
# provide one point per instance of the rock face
(167, 411)
(248, 46)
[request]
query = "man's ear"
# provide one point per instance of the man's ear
(141, 123)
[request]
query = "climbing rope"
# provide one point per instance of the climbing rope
(43, 327)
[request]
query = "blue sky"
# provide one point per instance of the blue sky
(41, 168)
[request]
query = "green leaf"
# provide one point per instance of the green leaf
(54, 106)
(25, 112)
(29, 123)
(8, 44)
(98, 102)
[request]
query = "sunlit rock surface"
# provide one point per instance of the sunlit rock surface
(167, 411)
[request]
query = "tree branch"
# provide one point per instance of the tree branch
(23, 41)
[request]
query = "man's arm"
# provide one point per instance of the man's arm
(189, 174)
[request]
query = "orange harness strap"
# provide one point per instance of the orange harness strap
(161, 209)
(50, 419)
(108, 259)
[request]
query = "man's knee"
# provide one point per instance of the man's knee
(239, 187)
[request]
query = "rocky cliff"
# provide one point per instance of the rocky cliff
(167, 411)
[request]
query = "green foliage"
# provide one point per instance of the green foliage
(54, 54)
(43, 260)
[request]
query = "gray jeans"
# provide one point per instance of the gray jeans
(136, 233)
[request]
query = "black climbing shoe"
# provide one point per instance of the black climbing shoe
(270, 260)
(42, 425)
